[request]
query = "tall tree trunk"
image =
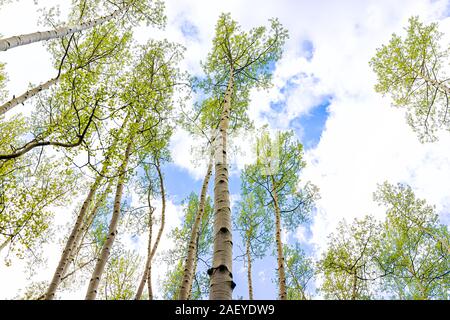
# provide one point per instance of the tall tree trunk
(221, 277)
(27, 95)
(149, 282)
(189, 265)
(354, 287)
(5, 243)
(280, 257)
(193, 276)
(65, 257)
(16, 41)
(149, 248)
(85, 227)
(249, 270)
(112, 232)
(146, 277)
(76, 230)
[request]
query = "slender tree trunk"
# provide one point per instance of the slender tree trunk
(27, 95)
(249, 270)
(146, 277)
(16, 41)
(189, 265)
(149, 249)
(112, 232)
(354, 286)
(193, 276)
(76, 230)
(5, 243)
(298, 286)
(280, 257)
(221, 277)
(149, 282)
(85, 227)
(64, 260)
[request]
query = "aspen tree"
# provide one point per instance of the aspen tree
(152, 248)
(190, 263)
(182, 238)
(237, 62)
(412, 70)
(414, 251)
(80, 236)
(137, 10)
(255, 228)
(276, 176)
(299, 272)
(349, 265)
(112, 232)
(80, 53)
(77, 229)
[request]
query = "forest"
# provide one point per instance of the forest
(98, 202)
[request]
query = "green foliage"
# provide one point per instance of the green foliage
(171, 283)
(30, 189)
(249, 54)
(412, 71)
(3, 80)
(148, 12)
(181, 237)
(253, 224)
(349, 266)
(407, 256)
(33, 291)
(277, 170)
(172, 280)
(149, 90)
(121, 276)
(415, 249)
(299, 272)
(246, 56)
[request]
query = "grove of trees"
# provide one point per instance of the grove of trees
(96, 146)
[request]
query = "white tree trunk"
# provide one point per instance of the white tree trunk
(85, 227)
(27, 95)
(147, 276)
(221, 277)
(16, 41)
(76, 230)
(149, 249)
(189, 265)
(112, 232)
(282, 295)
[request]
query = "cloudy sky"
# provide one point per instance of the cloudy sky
(322, 89)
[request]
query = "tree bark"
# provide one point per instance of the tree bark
(85, 227)
(354, 286)
(249, 270)
(27, 95)
(149, 282)
(193, 276)
(149, 249)
(64, 260)
(221, 277)
(24, 39)
(5, 243)
(76, 230)
(189, 265)
(112, 232)
(280, 257)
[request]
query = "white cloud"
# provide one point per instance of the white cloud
(262, 275)
(301, 234)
